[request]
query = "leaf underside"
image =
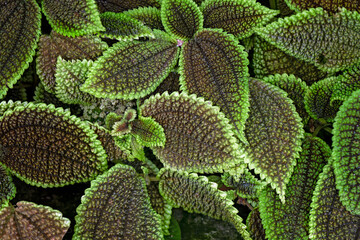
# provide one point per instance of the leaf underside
(328, 5)
(7, 187)
(346, 84)
(123, 5)
(254, 225)
(19, 34)
(150, 16)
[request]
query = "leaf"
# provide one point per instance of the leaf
(330, 6)
(7, 187)
(10, 105)
(196, 194)
(328, 217)
(239, 17)
(38, 146)
(130, 70)
(150, 16)
(117, 206)
(198, 136)
(181, 18)
(254, 225)
(291, 220)
(346, 146)
(346, 83)
(54, 45)
(123, 5)
(214, 66)
(19, 33)
(312, 36)
(73, 18)
(31, 221)
(274, 132)
(148, 132)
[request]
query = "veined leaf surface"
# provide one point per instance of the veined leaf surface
(123, 5)
(148, 132)
(130, 70)
(346, 84)
(7, 187)
(328, 5)
(214, 66)
(254, 225)
(150, 16)
(19, 33)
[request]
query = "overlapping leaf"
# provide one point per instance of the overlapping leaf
(198, 136)
(282, 6)
(274, 132)
(346, 143)
(238, 17)
(130, 70)
(123, 5)
(254, 225)
(290, 220)
(31, 221)
(117, 206)
(328, 5)
(7, 187)
(19, 34)
(46, 146)
(346, 84)
(73, 17)
(196, 194)
(314, 36)
(150, 16)
(148, 132)
(214, 66)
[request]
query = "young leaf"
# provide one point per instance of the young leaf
(274, 132)
(346, 153)
(214, 66)
(19, 33)
(313, 36)
(346, 84)
(73, 18)
(238, 17)
(38, 146)
(31, 221)
(328, 5)
(196, 194)
(181, 18)
(148, 132)
(254, 225)
(123, 5)
(7, 187)
(150, 16)
(117, 206)
(130, 70)
(198, 136)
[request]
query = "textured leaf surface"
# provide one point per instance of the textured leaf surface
(346, 143)
(117, 206)
(150, 16)
(346, 84)
(328, 5)
(214, 66)
(7, 187)
(123, 5)
(196, 194)
(328, 41)
(54, 45)
(46, 146)
(198, 137)
(328, 217)
(130, 70)
(291, 220)
(181, 18)
(254, 225)
(19, 34)
(73, 17)
(148, 132)
(31, 221)
(238, 17)
(274, 132)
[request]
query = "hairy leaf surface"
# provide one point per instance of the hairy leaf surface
(123, 5)
(46, 146)
(346, 84)
(150, 16)
(19, 34)
(7, 187)
(148, 132)
(254, 225)
(328, 5)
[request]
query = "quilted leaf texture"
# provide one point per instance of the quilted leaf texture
(31, 221)
(328, 217)
(150, 16)
(346, 145)
(7, 187)
(130, 70)
(314, 36)
(214, 66)
(46, 146)
(274, 132)
(254, 225)
(19, 34)
(328, 5)
(346, 84)
(198, 136)
(73, 17)
(117, 206)
(123, 5)
(291, 220)
(148, 132)
(196, 194)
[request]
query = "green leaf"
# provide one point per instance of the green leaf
(7, 187)
(346, 144)
(328, 217)
(214, 66)
(254, 225)
(9, 105)
(274, 132)
(346, 84)
(38, 146)
(54, 45)
(31, 221)
(121, 27)
(291, 220)
(148, 132)
(238, 17)
(196, 194)
(73, 18)
(181, 18)
(130, 70)
(117, 206)
(19, 33)
(150, 16)
(313, 36)
(328, 5)
(198, 136)
(137, 149)
(123, 5)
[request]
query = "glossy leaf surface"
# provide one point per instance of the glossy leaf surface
(123, 5)
(328, 5)
(150, 16)
(7, 187)
(148, 132)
